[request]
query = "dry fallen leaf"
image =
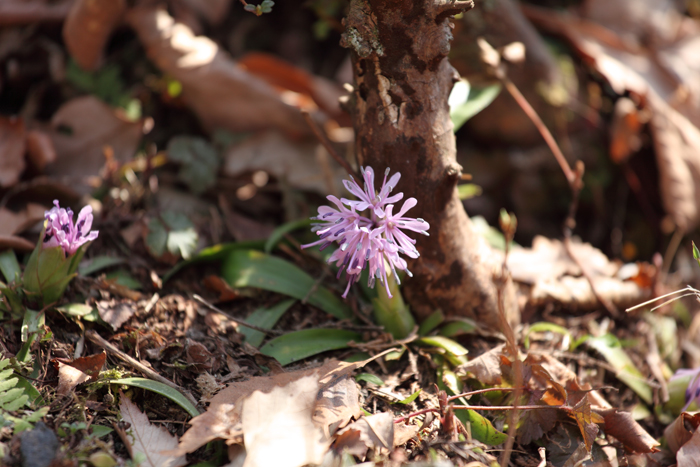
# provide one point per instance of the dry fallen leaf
(40, 149)
(689, 454)
(678, 432)
(93, 126)
(221, 93)
(17, 222)
(87, 28)
(648, 48)
(222, 419)
(148, 439)
(12, 146)
(278, 429)
(72, 373)
(486, 367)
(625, 429)
(375, 432)
(294, 162)
(115, 313)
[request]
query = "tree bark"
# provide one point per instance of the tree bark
(401, 118)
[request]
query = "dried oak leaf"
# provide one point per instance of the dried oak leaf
(375, 432)
(678, 432)
(625, 429)
(115, 313)
(221, 93)
(278, 428)
(147, 439)
(12, 147)
(74, 372)
(93, 126)
(87, 28)
(223, 417)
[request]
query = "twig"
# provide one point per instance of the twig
(98, 340)
(125, 439)
(234, 319)
(573, 177)
(327, 144)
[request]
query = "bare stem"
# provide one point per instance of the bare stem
(327, 144)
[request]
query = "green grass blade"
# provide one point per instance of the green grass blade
(264, 318)
(298, 345)
(9, 266)
(159, 388)
(250, 268)
(283, 229)
(212, 254)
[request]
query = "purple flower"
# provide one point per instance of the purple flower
(374, 241)
(60, 230)
(692, 392)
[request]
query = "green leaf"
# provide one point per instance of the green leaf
(98, 263)
(29, 389)
(459, 327)
(466, 101)
(453, 352)
(264, 318)
(545, 327)
(75, 309)
(468, 191)
(610, 348)
(392, 312)
(696, 255)
(9, 266)
(123, 277)
(250, 268)
(212, 254)
(481, 427)
(13, 400)
(370, 378)
(172, 231)
(159, 388)
(410, 398)
(431, 322)
(283, 229)
(98, 431)
(199, 159)
(299, 345)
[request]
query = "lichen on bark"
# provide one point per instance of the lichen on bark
(401, 120)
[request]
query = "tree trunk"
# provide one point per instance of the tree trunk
(401, 119)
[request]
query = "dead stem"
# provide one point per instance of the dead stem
(573, 177)
(233, 318)
(98, 340)
(327, 144)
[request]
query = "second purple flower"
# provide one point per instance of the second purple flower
(368, 231)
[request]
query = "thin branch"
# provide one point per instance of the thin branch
(101, 342)
(233, 318)
(327, 144)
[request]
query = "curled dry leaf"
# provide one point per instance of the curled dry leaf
(93, 127)
(689, 453)
(87, 28)
(221, 93)
(375, 432)
(625, 429)
(278, 428)
(677, 433)
(12, 146)
(148, 439)
(72, 373)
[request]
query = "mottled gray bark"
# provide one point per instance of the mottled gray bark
(401, 119)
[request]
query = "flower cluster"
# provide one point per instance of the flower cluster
(374, 240)
(60, 230)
